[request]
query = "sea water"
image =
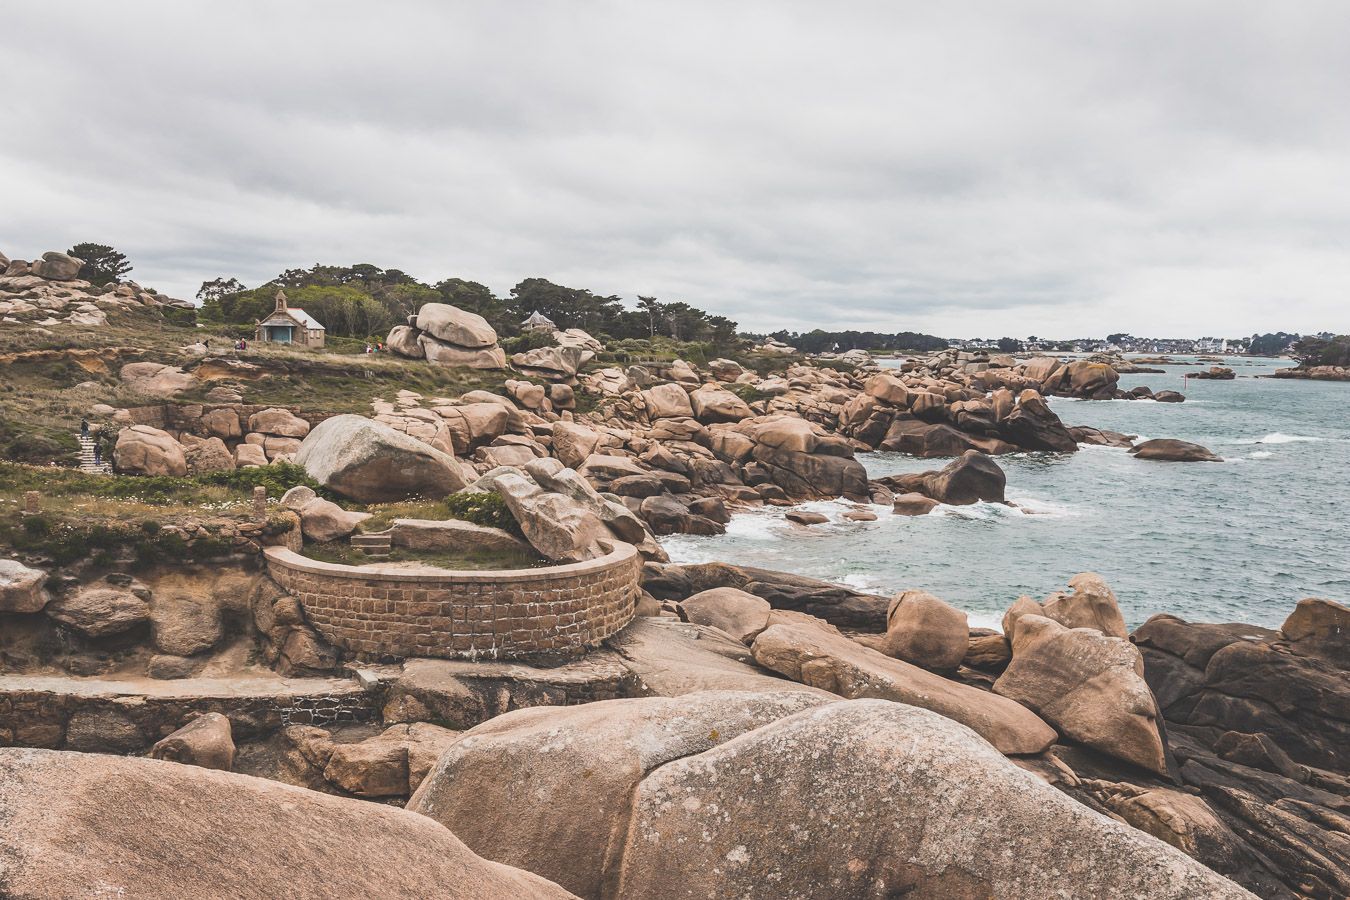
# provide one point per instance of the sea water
(1242, 540)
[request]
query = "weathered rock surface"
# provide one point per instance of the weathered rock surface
(772, 796)
(321, 520)
(206, 741)
(22, 589)
(456, 326)
(91, 825)
(142, 450)
(926, 631)
(831, 662)
(372, 463)
(600, 754)
(738, 613)
(1089, 686)
(972, 478)
(99, 611)
(839, 605)
(1171, 450)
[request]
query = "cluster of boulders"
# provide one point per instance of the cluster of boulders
(1248, 774)
(164, 623)
(446, 335)
(48, 291)
(917, 415)
(216, 438)
(1315, 373)
(1093, 378)
(1213, 373)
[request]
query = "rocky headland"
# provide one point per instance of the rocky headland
(458, 603)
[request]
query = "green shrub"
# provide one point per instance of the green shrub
(482, 508)
(531, 340)
(277, 478)
(177, 315)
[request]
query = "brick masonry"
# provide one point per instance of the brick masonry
(383, 613)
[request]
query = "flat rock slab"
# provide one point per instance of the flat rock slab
(671, 658)
(464, 693)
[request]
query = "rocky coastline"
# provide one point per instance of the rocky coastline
(568, 725)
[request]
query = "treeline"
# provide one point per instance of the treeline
(819, 341)
(1323, 350)
(365, 301)
(1272, 344)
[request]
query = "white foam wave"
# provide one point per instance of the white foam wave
(1260, 454)
(1279, 437)
(754, 527)
(985, 620)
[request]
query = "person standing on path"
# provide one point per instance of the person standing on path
(84, 428)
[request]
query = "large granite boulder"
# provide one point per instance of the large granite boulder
(667, 401)
(1319, 627)
(1093, 380)
(456, 326)
(552, 362)
(279, 422)
(209, 455)
(22, 589)
(556, 525)
(738, 613)
(1089, 686)
(100, 611)
(402, 340)
(573, 443)
(1034, 426)
(769, 796)
(142, 450)
(370, 462)
(473, 425)
(152, 379)
(1172, 450)
(926, 631)
(580, 811)
(1090, 603)
(57, 266)
(827, 660)
(206, 741)
(439, 353)
(717, 404)
(321, 520)
(82, 825)
(972, 478)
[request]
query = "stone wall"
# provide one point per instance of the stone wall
(384, 613)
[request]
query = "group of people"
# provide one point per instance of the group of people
(377, 347)
(241, 344)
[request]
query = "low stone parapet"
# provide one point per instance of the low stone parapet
(379, 613)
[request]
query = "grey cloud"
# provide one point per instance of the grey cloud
(984, 168)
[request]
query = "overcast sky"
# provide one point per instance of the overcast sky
(998, 168)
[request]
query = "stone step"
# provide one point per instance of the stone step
(371, 540)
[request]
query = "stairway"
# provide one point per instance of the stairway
(87, 463)
(376, 545)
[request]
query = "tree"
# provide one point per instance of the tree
(1009, 345)
(478, 298)
(654, 310)
(102, 264)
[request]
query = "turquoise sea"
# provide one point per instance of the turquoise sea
(1242, 540)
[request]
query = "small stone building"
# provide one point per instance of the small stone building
(538, 322)
(289, 326)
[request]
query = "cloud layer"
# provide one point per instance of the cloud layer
(964, 169)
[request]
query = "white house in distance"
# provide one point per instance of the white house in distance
(289, 326)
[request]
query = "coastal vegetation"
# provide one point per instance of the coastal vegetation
(1323, 351)
(364, 301)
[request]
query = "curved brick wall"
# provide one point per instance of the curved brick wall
(384, 612)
